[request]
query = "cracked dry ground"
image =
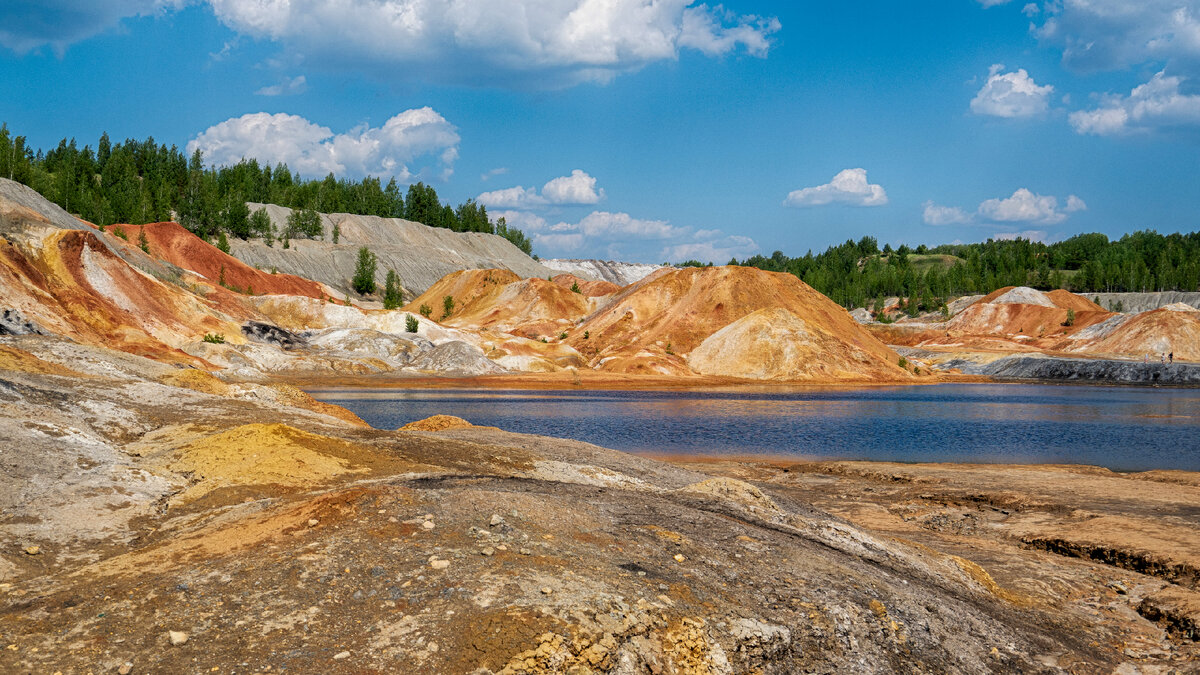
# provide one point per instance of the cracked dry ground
(270, 536)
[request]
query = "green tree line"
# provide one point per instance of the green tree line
(854, 274)
(144, 181)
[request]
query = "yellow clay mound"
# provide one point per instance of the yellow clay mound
(437, 423)
(21, 361)
(737, 492)
(196, 380)
(262, 454)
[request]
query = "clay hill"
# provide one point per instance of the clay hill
(172, 243)
(716, 321)
(419, 254)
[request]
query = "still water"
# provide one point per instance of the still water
(1123, 428)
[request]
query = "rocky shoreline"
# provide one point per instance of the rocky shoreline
(157, 519)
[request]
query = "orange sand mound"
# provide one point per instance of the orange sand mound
(173, 243)
(437, 423)
(591, 289)
(500, 300)
(1162, 331)
(674, 311)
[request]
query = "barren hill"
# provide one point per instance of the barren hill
(418, 253)
(672, 312)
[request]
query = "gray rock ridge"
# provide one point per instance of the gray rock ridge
(619, 273)
(1143, 302)
(1036, 367)
(419, 254)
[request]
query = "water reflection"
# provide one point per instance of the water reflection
(1122, 428)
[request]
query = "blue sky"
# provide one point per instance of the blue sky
(659, 131)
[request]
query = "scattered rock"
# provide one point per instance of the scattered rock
(679, 557)
(312, 522)
(33, 550)
(125, 669)
(270, 334)
(341, 655)
(488, 551)
(428, 525)
(177, 637)
(496, 520)
(546, 590)
(439, 564)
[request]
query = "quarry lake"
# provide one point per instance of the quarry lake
(1122, 428)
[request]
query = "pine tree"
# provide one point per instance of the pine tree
(364, 272)
(392, 298)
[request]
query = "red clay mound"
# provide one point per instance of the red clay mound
(174, 244)
(675, 311)
(500, 300)
(75, 286)
(1019, 311)
(591, 289)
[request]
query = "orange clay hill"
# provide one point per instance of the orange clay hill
(500, 300)
(735, 322)
(591, 289)
(1174, 329)
(174, 244)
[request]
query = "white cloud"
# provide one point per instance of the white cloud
(288, 87)
(944, 215)
(31, 24)
(716, 250)
(1012, 94)
(1023, 207)
(488, 175)
(1075, 204)
(1031, 235)
(314, 150)
(557, 243)
(848, 187)
(993, 3)
(577, 189)
(1156, 104)
(603, 223)
(1114, 34)
(489, 41)
(522, 220)
(512, 198)
(1031, 10)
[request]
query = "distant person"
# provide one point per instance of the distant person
(1172, 357)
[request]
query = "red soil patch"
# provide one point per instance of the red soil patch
(174, 244)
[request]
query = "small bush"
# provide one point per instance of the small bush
(671, 352)
(545, 340)
(410, 324)
(575, 287)
(120, 232)
(364, 272)
(143, 242)
(222, 242)
(214, 338)
(903, 362)
(425, 310)
(562, 336)
(1070, 318)
(447, 306)
(392, 297)
(587, 334)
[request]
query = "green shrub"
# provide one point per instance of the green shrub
(575, 287)
(671, 352)
(410, 323)
(214, 338)
(425, 310)
(447, 306)
(120, 232)
(143, 242)
(1070, 318)
(223, 242)
(903, 362)
(562, 336)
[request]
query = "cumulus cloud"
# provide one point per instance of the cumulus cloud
(944, 215)
(492, 173)
(29, 24)
(711, 247)
(532, 41)
(1026, 207)
(579, 188)
(848, 187)
(288, 87)
(1156, 104)
(1113, 34)
(314, 150)
(1012, 94)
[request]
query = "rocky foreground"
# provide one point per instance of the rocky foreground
(157, 519)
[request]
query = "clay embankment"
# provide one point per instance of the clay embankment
(419, 254)
(618, 273)
(662, 324)
(201, 538)
(174, 244)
